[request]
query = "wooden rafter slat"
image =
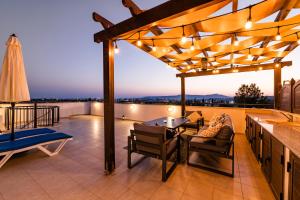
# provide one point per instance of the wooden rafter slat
(249, 68)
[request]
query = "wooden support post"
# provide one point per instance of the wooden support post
(277, 87)
(182, 96)
(109, 120)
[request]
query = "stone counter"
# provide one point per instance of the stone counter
(288, 135)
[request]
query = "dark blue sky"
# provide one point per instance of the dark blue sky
(62, 60)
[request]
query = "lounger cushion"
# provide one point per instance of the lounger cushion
(31, 141)
(207, 144)
(26, 133)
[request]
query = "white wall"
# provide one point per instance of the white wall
(141, 112)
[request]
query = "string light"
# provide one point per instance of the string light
(249, 23)
(236, 42)
(154, 47)
(298, 40)
(183, 38)
(192, 47)
(277, 65)
(139, 42)
(278, 36)
(117, 50)
(249, 54)
(188, 67)
(260, 68)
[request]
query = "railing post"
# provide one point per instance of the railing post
(52, 115)
(35, 115)
(58, 115)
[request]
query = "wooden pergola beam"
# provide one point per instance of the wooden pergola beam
(249, 68)
(152, 16)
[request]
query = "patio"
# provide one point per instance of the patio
(78, 171)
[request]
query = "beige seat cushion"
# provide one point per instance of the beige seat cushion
(193, 117)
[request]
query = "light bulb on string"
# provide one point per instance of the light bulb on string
(183, 38)
(153, 46)
(249, 23)
(192, 47)
(278, 36)
(298, 39)
(249, 54)
(236, 42)
(139, 42)
(116, 49)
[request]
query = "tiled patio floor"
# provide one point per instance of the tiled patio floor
(77, 172)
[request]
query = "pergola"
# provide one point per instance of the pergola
(189, 36)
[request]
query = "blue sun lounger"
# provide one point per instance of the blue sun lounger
(26, 133)
(31, 139)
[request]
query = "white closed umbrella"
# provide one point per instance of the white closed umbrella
(13, 81)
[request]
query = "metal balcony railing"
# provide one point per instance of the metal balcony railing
(32, 116)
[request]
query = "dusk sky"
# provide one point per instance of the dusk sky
(62, 61)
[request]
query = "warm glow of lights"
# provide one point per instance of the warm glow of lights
(278, 37)
(260, 68)
(171, 109)
(277, 65)
(235, 70)
(154, 49)
(183, 39)
(236, 42)
(133, 107)
(188, 67)
(139, 43)
(192, 48)
(215, 71)
(248, 24)
(117, 50)
(249, 56)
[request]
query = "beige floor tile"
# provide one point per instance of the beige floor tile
(146, 187)
(113, 190)
(166, 193)
(253, 193)
(199, 188)
(220, 195)
(131, 195)
(189, 197)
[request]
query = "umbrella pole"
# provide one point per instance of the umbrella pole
(12, 137)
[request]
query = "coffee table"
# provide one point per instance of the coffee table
(168, 122)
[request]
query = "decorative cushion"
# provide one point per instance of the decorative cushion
(211, 131)
(193, 117)
(216, 119)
